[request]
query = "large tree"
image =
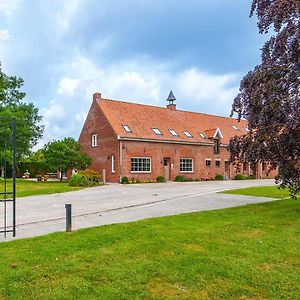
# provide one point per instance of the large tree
(12, 105)
(269, 95)
(64, 155)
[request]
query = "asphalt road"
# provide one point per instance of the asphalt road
(115, 203)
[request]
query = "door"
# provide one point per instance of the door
(167, 168)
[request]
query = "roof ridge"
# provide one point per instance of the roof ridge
(161, 107)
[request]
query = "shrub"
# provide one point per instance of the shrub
(179, 178)
(85, 178)
(251, 176)
(160, 179)
(219, 177)
(78, 180)
(125, 180)
(240, 177)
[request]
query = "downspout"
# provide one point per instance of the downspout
(120, 158)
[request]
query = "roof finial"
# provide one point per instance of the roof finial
(171, 98)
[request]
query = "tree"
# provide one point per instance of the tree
(12, 105)
(64, 155)
(269, 96)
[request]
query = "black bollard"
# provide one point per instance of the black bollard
(68, 217)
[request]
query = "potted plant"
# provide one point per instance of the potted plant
(26, 174)
(46, 177)
(39, 177)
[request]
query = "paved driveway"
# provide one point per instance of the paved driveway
(115, 203)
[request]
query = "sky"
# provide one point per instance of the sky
(134, 50)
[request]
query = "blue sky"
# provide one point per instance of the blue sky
(135, 50)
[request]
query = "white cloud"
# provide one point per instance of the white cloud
(7, 7)
(67, 86)
(5, 36)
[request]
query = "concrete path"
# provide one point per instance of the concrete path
(115, 203)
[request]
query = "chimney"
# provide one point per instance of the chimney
(171, 99)
(97, 96)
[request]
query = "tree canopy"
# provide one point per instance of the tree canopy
(64, 155)
(269, 96)
(12, 105)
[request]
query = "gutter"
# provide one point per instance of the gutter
(133, 139)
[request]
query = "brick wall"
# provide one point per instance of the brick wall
(96, 123)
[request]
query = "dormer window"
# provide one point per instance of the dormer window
(94, 140)
(216, 146)
(157, 131)
(203, 135)
(173, 132)
(126, 128)
(187, 134)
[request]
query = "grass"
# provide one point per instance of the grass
(31, 188)
(261, 191)
(249, 252)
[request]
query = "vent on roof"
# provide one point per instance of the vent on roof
(234, 127)
(173, 132)
(187, 134)
(126, 128)
(157, 131)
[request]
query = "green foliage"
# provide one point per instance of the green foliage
(251, 176)
(29, 129)
(85, 178)
(160, 179)
(179, 178)
(220, 177)
(240, 177)
(124, 180)
(64, 155)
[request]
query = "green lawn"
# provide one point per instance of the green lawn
(249, 252)
(30, 188)
(261, 191)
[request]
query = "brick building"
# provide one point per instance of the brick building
(143, 141)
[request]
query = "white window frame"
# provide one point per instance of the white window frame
(207, 159)
(94, 140)
(186, 158)
(126, 128)
(141, 172)
(173, 132)
(187, 133)
(157, 131)
(113, 161)
(235, 127)
(203, 135)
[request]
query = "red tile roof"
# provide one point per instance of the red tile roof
(142, 118)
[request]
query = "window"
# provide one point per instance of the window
(203, 135)
(227, 166)
(126, 128)
(234, 127)
(113, 164)
(187, 134)
(186, 165)
(173, 132)
(157, 131)
(208, 162)
(244, 167)
(216, 146)
(141, 165)
(218, 163)
(94, 140)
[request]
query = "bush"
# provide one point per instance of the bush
(85, 178)
(251, 176)
(179, 178)
(125, 180)
(160, 179)
(240, 177)
(219, 177)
